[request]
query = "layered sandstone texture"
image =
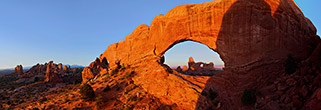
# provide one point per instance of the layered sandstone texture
(252, 37)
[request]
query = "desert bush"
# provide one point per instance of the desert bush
(133, 98)
(203, 93)
(114, 71)
(9, 102)
(174, 105)
(290, 65)
(107, 88)
(248, 97)
(212, 95)
(99, 100)
(36, 79)
(128, 75)
(126, 107)
(132, 88)
(87, 92)
(123, 67)
(215, 103)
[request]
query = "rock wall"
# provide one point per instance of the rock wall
(249, 35)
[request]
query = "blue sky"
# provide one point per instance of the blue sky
(77, 31)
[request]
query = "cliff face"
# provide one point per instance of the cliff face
(253, 39)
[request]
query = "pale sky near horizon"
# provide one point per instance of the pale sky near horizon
(78, 31)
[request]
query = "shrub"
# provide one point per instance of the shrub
(203, 93)
(107, 88)
(99, 100)
(290, 65)
(114, 71)
(128, 75)
(36, 79)
(248, 97)
(215, 103)
(9, 102)
(133, 98)
(212, 94)
(123, 67)
(87, 92)
(133, 87)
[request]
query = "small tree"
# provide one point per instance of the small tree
(290, 65)
(248, 97)
(212, 94)
(87, 92)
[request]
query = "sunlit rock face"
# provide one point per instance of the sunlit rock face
(249, 35)
(96, 67)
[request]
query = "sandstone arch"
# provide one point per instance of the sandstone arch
(202, 23)
(247, 34)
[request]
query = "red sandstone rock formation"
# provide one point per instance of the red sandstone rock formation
(66, 68)
(60, 66)
(52, 73)
(96, 67)
(200, 68)
(179, 69)
(253, 38)
(18, 69)
(184, 68)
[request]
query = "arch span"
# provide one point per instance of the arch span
(182, 53)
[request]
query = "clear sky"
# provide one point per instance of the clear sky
(77, 31)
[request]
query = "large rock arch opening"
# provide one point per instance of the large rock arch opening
(193, 58)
